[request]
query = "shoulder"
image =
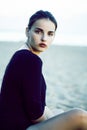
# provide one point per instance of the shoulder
(26, 56)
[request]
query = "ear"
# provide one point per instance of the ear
(27, 32)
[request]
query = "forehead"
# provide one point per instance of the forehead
(44, 24)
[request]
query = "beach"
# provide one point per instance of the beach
(65, 72)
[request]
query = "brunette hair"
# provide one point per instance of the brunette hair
(41, 15)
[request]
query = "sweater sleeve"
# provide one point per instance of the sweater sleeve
(31, 80)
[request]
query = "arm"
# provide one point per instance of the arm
(32, 80)
(32, 83)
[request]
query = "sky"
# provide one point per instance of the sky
(71, 16)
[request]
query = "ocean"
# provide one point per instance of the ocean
(65, 72)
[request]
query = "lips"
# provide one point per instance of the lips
(42, 45)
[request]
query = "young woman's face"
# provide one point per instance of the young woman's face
(41, 35)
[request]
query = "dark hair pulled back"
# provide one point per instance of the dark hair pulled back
(41, 15)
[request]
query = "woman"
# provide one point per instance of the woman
(22, 98)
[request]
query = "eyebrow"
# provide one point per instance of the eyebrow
(42, 30)
(39, 29)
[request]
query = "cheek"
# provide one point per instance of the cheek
(34, 41)
(51, 40)
(35, 38)
(32, 38)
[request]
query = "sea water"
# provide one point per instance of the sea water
(65, 72)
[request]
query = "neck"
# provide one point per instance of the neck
(34, 51)
(29, 46)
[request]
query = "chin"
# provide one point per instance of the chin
(42, 50)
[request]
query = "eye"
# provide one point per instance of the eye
(51, 33)
(37, 31)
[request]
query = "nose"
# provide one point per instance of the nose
(44, 37)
